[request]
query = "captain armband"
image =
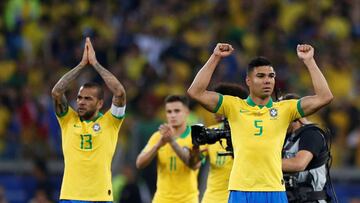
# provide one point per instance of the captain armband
(118, 112)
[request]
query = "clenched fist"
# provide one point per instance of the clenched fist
(223, 49)
(305, 51)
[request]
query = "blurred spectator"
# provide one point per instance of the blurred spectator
(43, 186)
(40, 196)
(2, 195)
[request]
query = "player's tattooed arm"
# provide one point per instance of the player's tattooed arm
(119, 98)
(58, 92)
(61, 105)
(182, 152)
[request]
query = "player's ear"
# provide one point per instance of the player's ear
(100, 103)
(247, 80)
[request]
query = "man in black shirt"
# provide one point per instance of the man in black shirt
(305, 157)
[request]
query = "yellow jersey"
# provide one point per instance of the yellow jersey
(88, 148)
(257, 134)
(219, 172)
(176, 182)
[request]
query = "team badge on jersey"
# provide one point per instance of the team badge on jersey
(96, 127)
(273, 112)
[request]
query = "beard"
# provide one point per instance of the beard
(87, 115)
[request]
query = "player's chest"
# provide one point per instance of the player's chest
(217, 157)
(259, 122)
(86, 136)
(166, 154)
(250, 113)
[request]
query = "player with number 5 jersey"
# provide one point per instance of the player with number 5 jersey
(89, 138)
(258, 125)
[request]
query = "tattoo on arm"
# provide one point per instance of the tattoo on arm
(183, 153)
(65, 80)
(58, 92)
(195, 157)
(61, 105)
(119, 98)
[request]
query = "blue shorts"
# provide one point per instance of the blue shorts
(257, 197)
(81, 201)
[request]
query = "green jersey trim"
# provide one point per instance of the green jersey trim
(250, 102)
(119, 117)
(300, 110)
(219, 103)
(186, 133)
(88, 121)
(64, 113)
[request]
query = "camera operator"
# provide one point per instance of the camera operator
(220, 164)
(305, 158)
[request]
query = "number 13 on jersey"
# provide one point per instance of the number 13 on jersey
(86, 141)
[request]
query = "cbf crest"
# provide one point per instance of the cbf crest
(273, 113)
(96, 127)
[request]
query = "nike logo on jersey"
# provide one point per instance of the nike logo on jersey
(243, 111)
(77, 126)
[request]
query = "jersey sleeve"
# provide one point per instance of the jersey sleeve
(224, 104)
(152, 141)
(66, 117)
(311, 140)
(114, 120)
(293, 107)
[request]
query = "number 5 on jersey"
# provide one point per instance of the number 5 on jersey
(258, 125)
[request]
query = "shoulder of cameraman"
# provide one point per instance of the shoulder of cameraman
(313, 141)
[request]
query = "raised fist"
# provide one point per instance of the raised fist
(305, 51)
(223, 49)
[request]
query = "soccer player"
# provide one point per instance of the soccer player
(89, 137)
(220, 166)
(176, 176)
(258, 125)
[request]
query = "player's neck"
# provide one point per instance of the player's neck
(92, 118)
(178, 130)
(260, 101)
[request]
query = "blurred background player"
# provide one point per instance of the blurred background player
(220, 166)
(89, 137)
(171, 145)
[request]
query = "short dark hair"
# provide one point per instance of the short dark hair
(258, 61)
(231, 89)
(289, 96)
(177, 98)
(100, 91)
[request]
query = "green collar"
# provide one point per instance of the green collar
(252, 103)
(97, 116)
(186, 133)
